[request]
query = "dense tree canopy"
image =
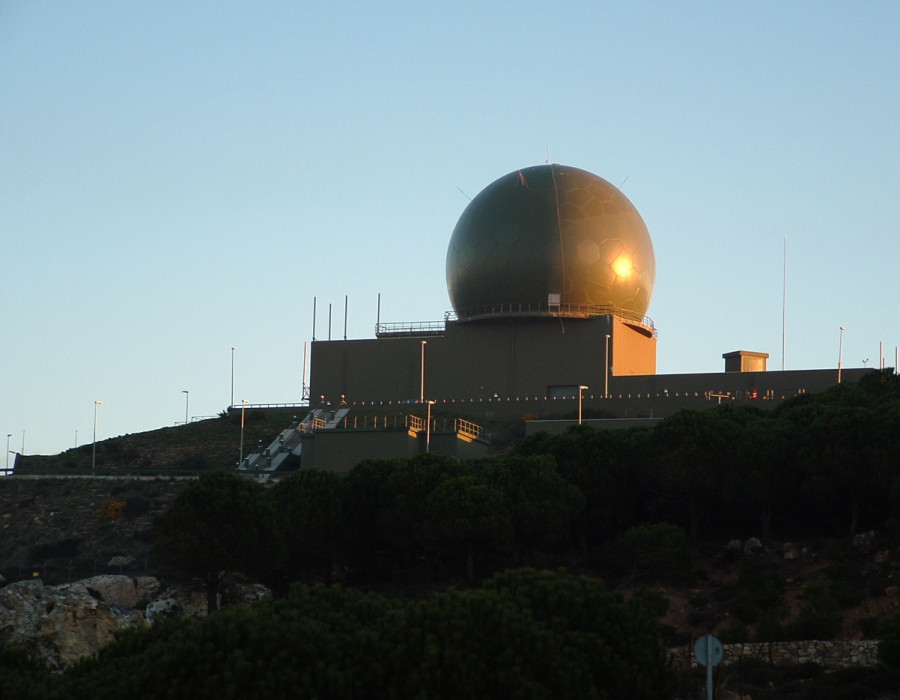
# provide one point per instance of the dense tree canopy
(221, 524)
(819, 465)
(523, 634)
(311, 508)
(822, 464)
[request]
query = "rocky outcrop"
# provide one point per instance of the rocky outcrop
(68, 622)
(62, 623)
(122, 591)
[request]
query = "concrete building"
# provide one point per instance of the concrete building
(550, 272)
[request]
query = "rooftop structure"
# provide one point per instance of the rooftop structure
(550, 239)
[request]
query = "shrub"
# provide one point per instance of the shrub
(136, 506)
(734, 632)
(660, 550)
(889, 646)
(55, 550)
(758, 595)
(818, 618)
(655, 602)
(112, 510)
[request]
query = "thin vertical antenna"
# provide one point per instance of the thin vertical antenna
(304, 391)
(896, 358)
(345, 317)
(329, 322)
(314, 319)
(548, 155)
(881, 353)
(378, 315)
(783, 298)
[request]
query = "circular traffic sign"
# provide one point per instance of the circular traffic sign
(709, 650)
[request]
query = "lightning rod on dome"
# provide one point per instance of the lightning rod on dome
(783, 296)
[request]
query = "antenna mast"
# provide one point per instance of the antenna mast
(783, 297)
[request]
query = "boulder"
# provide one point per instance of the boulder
(68, 622)
(753, 546)
(123, 591)
(176, 601)
(62, 623)
(791, 551)
(120, 561)
(866, 542)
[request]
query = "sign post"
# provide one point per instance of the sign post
(709, 653)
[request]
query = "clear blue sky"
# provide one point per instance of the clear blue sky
(177, 178)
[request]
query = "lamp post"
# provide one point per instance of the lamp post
(428, 427)
(94, 449)
(840, 353)
(187, 396)
(422, 380)
(8, 436)
(241, 454)
(580, 389)
(232, 378)
(606, 371)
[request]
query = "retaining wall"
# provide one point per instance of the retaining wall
(829, 655)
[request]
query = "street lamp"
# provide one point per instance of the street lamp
(232, 378)
(841, 353)
(422, 381)
(241, 455)
(187, 396)
(94, 449)
(428, 427)
(580, 389)
(606, 371)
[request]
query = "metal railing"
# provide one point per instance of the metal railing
(412, 422)
(410, 328)
(425, 328)
(468, 428)
(303, 404)
(554, 310)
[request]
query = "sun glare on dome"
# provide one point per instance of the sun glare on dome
(623, 265)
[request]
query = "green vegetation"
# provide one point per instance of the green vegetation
(631, 506)
(221, 524)
(523, 634)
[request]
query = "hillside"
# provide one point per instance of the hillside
(802, 473)
(66, 529)
(214, 443)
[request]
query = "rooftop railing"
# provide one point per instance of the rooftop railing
(554, 310)
(410, 328)
(426, 328)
